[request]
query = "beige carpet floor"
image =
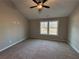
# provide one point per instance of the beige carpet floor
(39, 49)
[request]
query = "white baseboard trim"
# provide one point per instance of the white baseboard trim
(11, 45)
(74, 48)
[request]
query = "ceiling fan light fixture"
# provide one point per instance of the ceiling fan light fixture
(39, 7)
(40, 4)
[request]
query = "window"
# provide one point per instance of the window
(49, 27)
(53, 27)
(44, 26)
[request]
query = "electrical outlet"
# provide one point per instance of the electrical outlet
(10, 41)
(18, 22)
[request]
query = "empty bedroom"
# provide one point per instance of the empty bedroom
(39, 29)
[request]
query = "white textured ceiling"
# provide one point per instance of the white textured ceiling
(58, 8)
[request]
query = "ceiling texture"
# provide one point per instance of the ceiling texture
(58, 8)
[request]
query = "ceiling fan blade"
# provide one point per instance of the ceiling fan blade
(44, 1)
(33, 6)
(46, 6)
(35, 1)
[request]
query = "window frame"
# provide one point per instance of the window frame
(49, 28)
(56, 28)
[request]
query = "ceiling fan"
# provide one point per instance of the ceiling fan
(40, 4)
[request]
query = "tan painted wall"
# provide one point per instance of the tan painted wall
(13, 26)
(74, 30)
(63, 26)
